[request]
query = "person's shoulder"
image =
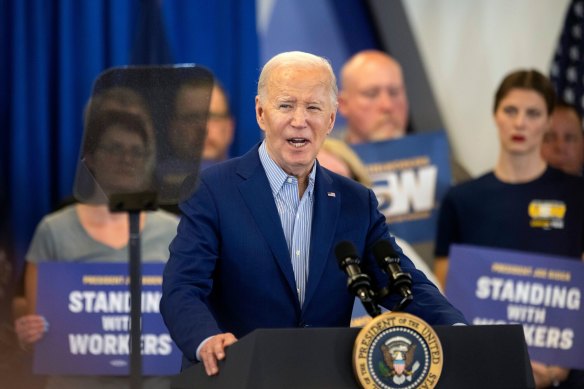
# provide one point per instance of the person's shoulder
(559, 176)
(63, 215)
(223, 169)
(342, 182)
(160, 227)
(58, 223)
(471, 187)
(220, 174)
(228, 164)
(163, 217)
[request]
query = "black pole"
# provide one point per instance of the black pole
(134, 203)
(135, 302)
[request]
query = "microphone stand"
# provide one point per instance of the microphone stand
(361, 287)
(134, 203)
(407, 297)
(399, 281)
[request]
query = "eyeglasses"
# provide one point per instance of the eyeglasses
(117, 150)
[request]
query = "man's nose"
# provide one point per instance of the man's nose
(560, 145)
(127, 157)
(386, 100)
(299, 117)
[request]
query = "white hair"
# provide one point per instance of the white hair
(298, 59)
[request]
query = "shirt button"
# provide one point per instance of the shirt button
(297, 253)
(289, 180)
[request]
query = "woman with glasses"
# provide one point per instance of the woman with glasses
(116, 153)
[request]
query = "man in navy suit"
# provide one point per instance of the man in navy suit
(255, 245)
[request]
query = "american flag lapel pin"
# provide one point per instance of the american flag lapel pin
(331, 194)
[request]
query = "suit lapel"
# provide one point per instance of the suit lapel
(324, 221)
(255, 190)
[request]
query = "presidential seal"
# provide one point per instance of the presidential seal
(397, 350)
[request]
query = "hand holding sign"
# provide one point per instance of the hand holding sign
(30, 329)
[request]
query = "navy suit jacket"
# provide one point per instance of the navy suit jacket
(230, 269)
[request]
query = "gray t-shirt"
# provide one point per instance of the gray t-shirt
(60, 237)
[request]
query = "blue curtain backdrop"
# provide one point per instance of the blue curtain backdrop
(52, 50)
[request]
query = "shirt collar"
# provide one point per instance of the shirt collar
(276, 176)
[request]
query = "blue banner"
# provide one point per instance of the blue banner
(544, 293)
(410, 177)
(87, 307)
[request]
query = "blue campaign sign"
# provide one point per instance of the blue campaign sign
(544, 293)
(410, 177)
(87, 306)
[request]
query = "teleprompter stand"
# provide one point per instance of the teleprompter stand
(488, 357)
(134, 203)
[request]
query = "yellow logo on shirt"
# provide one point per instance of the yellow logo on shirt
(547, 214)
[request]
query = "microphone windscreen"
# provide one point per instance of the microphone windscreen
(383, 249)
(345, 249)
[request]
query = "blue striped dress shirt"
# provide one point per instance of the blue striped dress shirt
(295, 215)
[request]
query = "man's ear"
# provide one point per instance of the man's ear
(332, 122)
(259, 112)
(342, 103)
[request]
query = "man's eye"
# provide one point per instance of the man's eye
(285, 106)
(371, 93)
(394, 92)
(313, 108)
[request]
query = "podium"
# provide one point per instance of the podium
(490, 357)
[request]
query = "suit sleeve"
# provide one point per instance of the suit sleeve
(428, 303)
(187, 278)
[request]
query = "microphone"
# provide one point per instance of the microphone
(388, 261)
(358, 283)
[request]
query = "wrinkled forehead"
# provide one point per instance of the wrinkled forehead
(380, 72)
(312, 83)
(388, 73)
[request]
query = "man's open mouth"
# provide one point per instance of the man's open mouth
(298, 142)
